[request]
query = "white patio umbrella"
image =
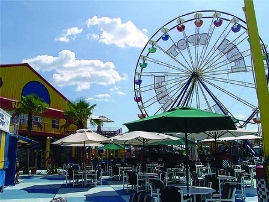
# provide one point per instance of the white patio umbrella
(141, 138)
(82, 137)
(244, 137)
(101, 119)
(93, 144)
(219, 134)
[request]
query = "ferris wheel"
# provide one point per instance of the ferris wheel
(200, 59)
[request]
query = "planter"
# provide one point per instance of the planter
(25, 171)
(33, 171)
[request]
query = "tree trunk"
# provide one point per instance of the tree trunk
(29, 130)
(26, 167)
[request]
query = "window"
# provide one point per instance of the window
(23, 118)
(55, 123)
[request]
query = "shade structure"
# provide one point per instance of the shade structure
(244, 137)
(229, 134)
(93, 144)
(25, 142)
(82, 136)
(140, 138)
(185, 120)
(113, 146)
(101, 118)
(214, 136)
(179, 141)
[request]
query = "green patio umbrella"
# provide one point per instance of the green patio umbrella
(186, 120)
(113, 146)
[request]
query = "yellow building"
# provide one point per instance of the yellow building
(17, 80)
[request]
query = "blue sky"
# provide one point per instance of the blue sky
(90, 49)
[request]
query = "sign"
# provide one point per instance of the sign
(4, 120)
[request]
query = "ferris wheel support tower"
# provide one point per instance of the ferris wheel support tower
(261, 88)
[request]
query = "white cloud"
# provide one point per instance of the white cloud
(114, 31)
(73, 72)
(240, 116)
(89, 99)
(70, 33)
(116, 90)
(121, 93)
(102, 95)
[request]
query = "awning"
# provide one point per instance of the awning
(26, 142)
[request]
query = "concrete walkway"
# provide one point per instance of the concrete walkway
(43, 188)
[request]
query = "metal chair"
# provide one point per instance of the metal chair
(228, 194)
(141, 197)
(240, 185)
(248, 173)
(194, 176)
(214, 181)
(134, 181)
(155, 188)
(171, 193)
(95, 176)
(75, 176)
(201, 183)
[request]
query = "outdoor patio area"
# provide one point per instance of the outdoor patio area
(44, 188)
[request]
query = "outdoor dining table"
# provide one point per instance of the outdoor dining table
(195, 190)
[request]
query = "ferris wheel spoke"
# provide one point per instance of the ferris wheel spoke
(228, 48)
(164, 97)
(170, 82)
(168, 65)
(171, 54)
(229, 51)
(212, 51)
(231, 81)
(231, 95)
(209, 108)
(188, 49)
(157, 73)
(239, 64)
(225, 72)
(205, 48)
(187, 66)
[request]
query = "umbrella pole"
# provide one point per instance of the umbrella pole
(187, 161)
(216, 156)
(84, 156)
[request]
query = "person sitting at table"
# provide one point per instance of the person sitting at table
(123, 163)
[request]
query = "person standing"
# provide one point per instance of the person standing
(17, 172)
(50, 162)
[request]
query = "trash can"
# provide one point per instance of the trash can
(262, 190)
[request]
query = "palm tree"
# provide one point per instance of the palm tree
(31, 105)
(79, 112)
